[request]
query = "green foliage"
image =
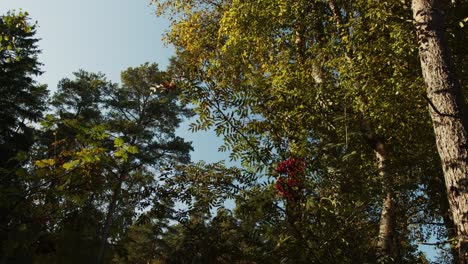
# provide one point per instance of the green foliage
(102, 145)
(22, 98)
(311, 81)
(118, 136)
(22, 102)
(302, 79)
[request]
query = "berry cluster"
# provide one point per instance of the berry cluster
(289, 169)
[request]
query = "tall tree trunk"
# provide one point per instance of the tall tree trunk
(109, 220)
(385, 241)
(385, 248)
(447, 113)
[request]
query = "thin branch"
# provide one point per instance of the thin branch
(237, 130)
(444, 242)
(437, 111)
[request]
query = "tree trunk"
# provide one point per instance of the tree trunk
(109, 220)
(385, 241)
(385, 248)
(447, 113)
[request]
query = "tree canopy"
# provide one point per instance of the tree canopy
(344, 149)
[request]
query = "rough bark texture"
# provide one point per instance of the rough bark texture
(447, 113)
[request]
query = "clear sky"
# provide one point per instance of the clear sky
(107, 36)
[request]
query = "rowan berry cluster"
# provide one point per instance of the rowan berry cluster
(289, 170)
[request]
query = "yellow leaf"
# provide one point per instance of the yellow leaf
(44, 163)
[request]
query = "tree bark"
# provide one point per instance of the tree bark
(447, 112)
(385, 242)
(386, 227)
(387, 217)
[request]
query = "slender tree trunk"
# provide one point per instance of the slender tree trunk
(385, 241)
(447, 113)
(385, 248)
(109, 220)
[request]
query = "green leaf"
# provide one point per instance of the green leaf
(44, 163)
(132, 149)
(118, 142)
(69, 165)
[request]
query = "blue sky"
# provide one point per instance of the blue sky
(107, 36)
